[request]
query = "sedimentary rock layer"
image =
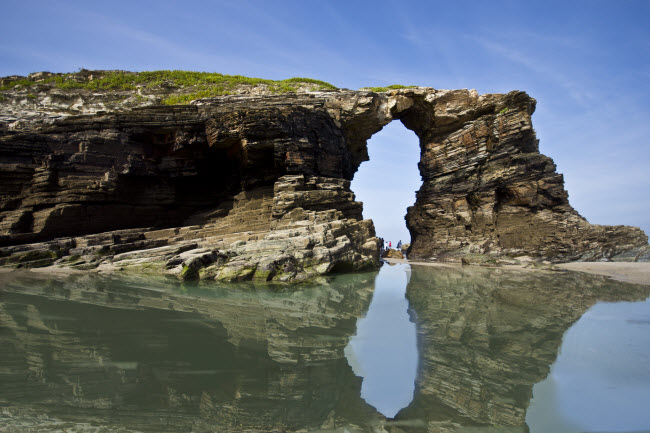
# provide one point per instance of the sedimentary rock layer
(487, 190)
(258, 187)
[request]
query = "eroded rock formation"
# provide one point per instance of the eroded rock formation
(487, 189)
(258, 187)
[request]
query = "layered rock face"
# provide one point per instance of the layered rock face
(257, 187)
(236, 189)
(487, 189)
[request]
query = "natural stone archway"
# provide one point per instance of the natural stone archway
(487, 189)
(387, 182)
(258, 187)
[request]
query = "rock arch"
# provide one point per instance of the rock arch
(486, 188)
(258, 187)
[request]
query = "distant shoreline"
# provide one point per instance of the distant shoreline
(627, 272)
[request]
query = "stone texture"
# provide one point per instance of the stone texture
(487, 190)
(257, 186)
(392, 254)
(257, 189)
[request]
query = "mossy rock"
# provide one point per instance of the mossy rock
(209, 272)
(236, 272)
(31, 259)
(480, 260)
(189, 273)
(392, 254)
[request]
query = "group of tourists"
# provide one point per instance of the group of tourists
(387, 245)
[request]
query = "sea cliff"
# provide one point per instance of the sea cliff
(228, 178)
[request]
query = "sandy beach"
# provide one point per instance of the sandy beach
(629, 272)
(634, 272)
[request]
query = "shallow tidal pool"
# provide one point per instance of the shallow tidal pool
(405, 349)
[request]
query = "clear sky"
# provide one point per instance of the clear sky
(586, 62)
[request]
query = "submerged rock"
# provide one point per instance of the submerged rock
(257, 187)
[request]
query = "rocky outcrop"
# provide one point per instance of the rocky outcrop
(257, 188)
(392, 254)
(487, 190)
(246, 187)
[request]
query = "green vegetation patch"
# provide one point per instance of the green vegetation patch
(387, 88)
(220, 85)
(186, 85)
(30, 259)
(21, 82)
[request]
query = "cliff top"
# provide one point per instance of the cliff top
(46, 96)
(185, 85)
(169, 87)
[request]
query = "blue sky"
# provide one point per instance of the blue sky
(586, 62)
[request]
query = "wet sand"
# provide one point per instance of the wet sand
(637, 273)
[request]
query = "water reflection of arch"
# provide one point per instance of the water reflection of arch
(486, 336)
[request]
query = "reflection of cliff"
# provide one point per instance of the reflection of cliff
(156, 359)
(144, 355)
(486, 336)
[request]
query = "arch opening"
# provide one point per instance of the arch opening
(386, 184)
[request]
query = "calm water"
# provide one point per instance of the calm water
(406, 349)
(384, 350)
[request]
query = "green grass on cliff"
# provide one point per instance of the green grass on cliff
(173, 87)
(387, 88)
(186, 85)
